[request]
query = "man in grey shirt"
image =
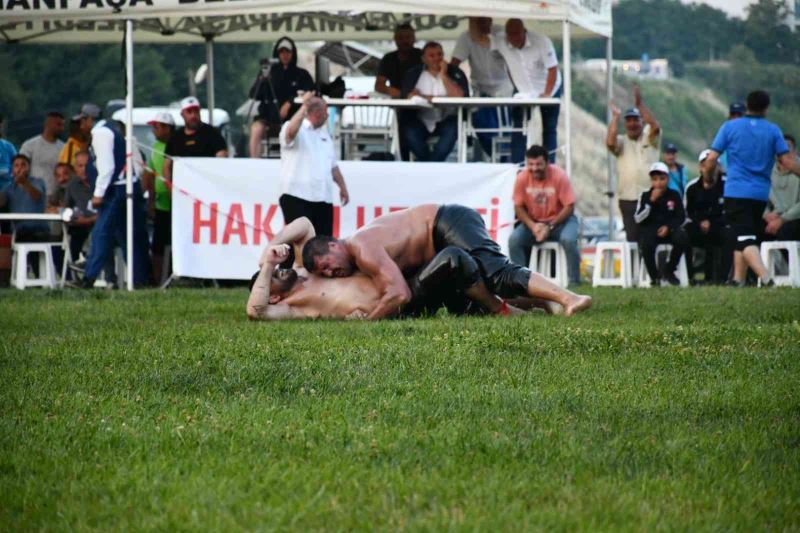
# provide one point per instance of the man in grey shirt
(43, 150)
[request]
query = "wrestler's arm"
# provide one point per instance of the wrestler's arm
(297, 233)
(376, 263)
(258, 306)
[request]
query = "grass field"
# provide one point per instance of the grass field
(658, 409)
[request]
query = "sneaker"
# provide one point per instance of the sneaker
(767, 284)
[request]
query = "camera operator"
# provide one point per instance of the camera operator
(275, 89)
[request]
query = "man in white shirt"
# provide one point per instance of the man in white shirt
(433, 78)
(533, 66)
(309, 167)
(44, 149)
(109, 199)
(488, 75)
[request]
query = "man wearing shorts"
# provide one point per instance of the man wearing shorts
(399, 244)
(452, 279)
(752, 144)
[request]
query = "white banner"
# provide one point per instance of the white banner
(226, 210)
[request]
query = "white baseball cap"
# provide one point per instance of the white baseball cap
(163, 117)
(658, 166)
(704, 154)
(284, 43)
(190, 102)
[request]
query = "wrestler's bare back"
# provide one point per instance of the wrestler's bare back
(318, 297)
(407, 236)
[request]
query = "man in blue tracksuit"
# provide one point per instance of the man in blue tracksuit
(108, 145)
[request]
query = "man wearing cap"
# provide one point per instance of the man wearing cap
(44, 150)
(635, 151)
(80, 134)
(109, 198)
(309, 167)
(533, 67)
(194, 139)
(678, 178)
(705, 224)
(276, 93)
(736, 110)
(752, 143)
(159, 199)
(660, 216)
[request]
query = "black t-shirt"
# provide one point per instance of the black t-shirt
(705, 204)
(205, 142)
(395, 70)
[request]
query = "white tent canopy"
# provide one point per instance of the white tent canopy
(87, 21)
(60, 21)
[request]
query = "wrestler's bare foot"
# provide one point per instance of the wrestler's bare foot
(577, 303)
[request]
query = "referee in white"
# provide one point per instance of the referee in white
(309, 167)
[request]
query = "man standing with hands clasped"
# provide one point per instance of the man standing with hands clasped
(309, 167)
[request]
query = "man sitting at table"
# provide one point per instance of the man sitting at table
(392, 70)
(435, 77)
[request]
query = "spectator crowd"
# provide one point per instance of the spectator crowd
(747, 189)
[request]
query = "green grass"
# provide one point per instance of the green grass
(663, 409)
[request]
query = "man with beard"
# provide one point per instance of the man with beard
(405, 241)
(452, 279)
(195, 139)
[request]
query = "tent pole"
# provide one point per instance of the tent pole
(568, 95)
(210, 76)
(609, 118)
(129, 148)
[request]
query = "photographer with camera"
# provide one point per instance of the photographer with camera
(275, 89)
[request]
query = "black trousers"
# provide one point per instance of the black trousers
(463, 228)
(442, 283)
(649, 241)
(719, 254)
(628, 208)
(319, 213)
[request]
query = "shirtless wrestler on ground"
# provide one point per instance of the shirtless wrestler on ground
(451, 279)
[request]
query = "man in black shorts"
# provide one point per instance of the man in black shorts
(401, 243)
(752, 144)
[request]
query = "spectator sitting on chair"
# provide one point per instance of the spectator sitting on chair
(488, 76)
(392, 70)
(544, 203)
(782, 217)
(45, 149)
(706, 224)
(435, 77)
(635, 151)
(678, 178)
(660, 216)
(7, 152)
(62, 175)
(533, 66)
(276, 93)
(78, 197)
(26, 194)
(80, 133)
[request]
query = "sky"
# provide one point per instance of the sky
(734, 7)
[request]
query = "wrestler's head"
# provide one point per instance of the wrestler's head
(328, 257)
(283, 281)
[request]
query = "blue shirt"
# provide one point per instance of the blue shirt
(7, 151)
(752, 144)
(678, 180)
(18, 200)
